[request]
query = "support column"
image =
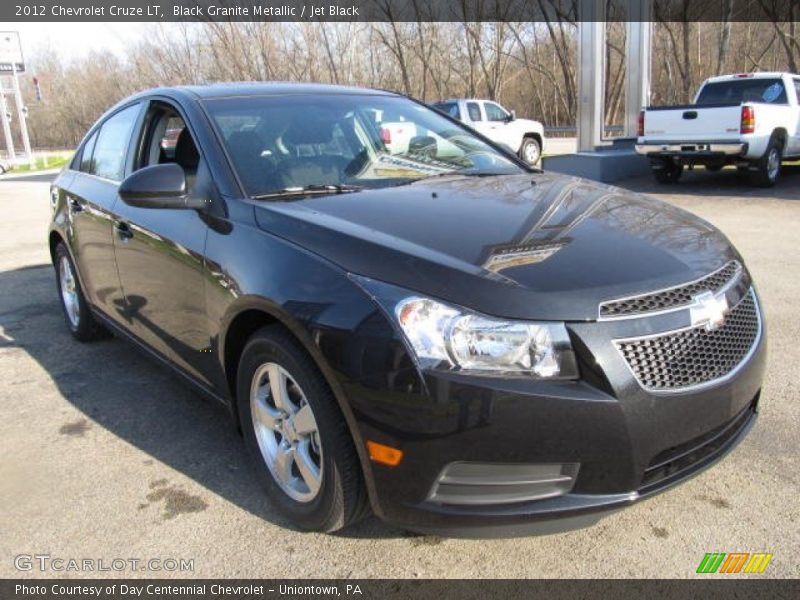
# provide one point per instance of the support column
(23, 120)
(637, 62)
(6, 124)
(591, 51)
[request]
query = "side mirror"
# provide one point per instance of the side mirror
(512, 116)
(157, 186)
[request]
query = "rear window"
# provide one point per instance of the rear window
(449, 108)
(737, 91)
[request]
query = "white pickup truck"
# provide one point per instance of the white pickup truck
(523, 136)
(750, 120)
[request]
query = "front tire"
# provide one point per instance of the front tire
(768, 167)
(530, 151)
(80, 321)
(297, 435)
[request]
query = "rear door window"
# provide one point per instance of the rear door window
(112, 144)
(85, 164)
(737, 91)
(474, 111)
(797, 89)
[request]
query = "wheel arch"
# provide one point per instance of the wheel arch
(254, 313)
(535, 135)
(53, 240)
(781, 134)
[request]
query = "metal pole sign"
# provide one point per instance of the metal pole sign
(22, 111)
(12, 63)
(11, 53)
(6, 119)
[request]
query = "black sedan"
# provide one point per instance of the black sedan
(424, 327)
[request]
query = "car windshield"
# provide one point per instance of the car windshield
(339, 142)
(736, 91)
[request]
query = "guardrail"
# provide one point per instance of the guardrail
(609, 131)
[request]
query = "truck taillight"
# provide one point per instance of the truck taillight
(640, 126)
(386, 136)
(748, 119)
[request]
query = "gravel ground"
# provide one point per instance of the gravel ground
(106, 455)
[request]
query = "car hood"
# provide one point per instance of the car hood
(528, 123)
(536, 246)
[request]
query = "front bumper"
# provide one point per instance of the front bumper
(696, 150)
(631, 443)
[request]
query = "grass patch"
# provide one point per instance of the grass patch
(45, 162)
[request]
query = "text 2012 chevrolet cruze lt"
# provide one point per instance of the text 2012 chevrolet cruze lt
(428, 328)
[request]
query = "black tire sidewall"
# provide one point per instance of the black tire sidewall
(271, 346)
(668, 173)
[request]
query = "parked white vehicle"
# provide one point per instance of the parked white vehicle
(751, 120)
(523, 136)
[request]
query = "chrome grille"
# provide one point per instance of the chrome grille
(671, 298)
(694, 356)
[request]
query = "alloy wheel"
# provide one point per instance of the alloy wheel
(69, 292)
(286, 431)
(531, 153)
(773, 164)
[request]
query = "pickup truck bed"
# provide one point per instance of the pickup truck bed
(755, 131)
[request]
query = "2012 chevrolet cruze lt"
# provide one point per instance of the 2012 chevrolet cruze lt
(424, 326)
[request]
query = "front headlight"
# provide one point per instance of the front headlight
(442, 335)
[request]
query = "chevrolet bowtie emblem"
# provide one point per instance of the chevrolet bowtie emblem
(709, 310)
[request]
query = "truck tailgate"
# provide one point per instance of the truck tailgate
(693, 123)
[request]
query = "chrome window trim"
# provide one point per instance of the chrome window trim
(724, 289)
(711, 382)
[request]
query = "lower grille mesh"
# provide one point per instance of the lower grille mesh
(694, 356)
(674, 461)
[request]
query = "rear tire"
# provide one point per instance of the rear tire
(79, 318)
(667, 171)
(297, 436)
(769, 165)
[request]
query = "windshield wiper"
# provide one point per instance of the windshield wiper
(315, 188)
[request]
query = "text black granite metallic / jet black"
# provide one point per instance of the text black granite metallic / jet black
(401, 315)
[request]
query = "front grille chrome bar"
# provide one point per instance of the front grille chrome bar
(674, 298)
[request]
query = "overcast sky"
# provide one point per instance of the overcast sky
(77, 39)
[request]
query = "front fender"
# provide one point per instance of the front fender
(338, 324)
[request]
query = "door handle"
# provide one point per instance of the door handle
(74, 205)
(123, 230)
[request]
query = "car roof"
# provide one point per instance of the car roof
(466, 100)
(267, 88)
(760, 75)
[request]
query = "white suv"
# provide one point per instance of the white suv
(523, 136)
